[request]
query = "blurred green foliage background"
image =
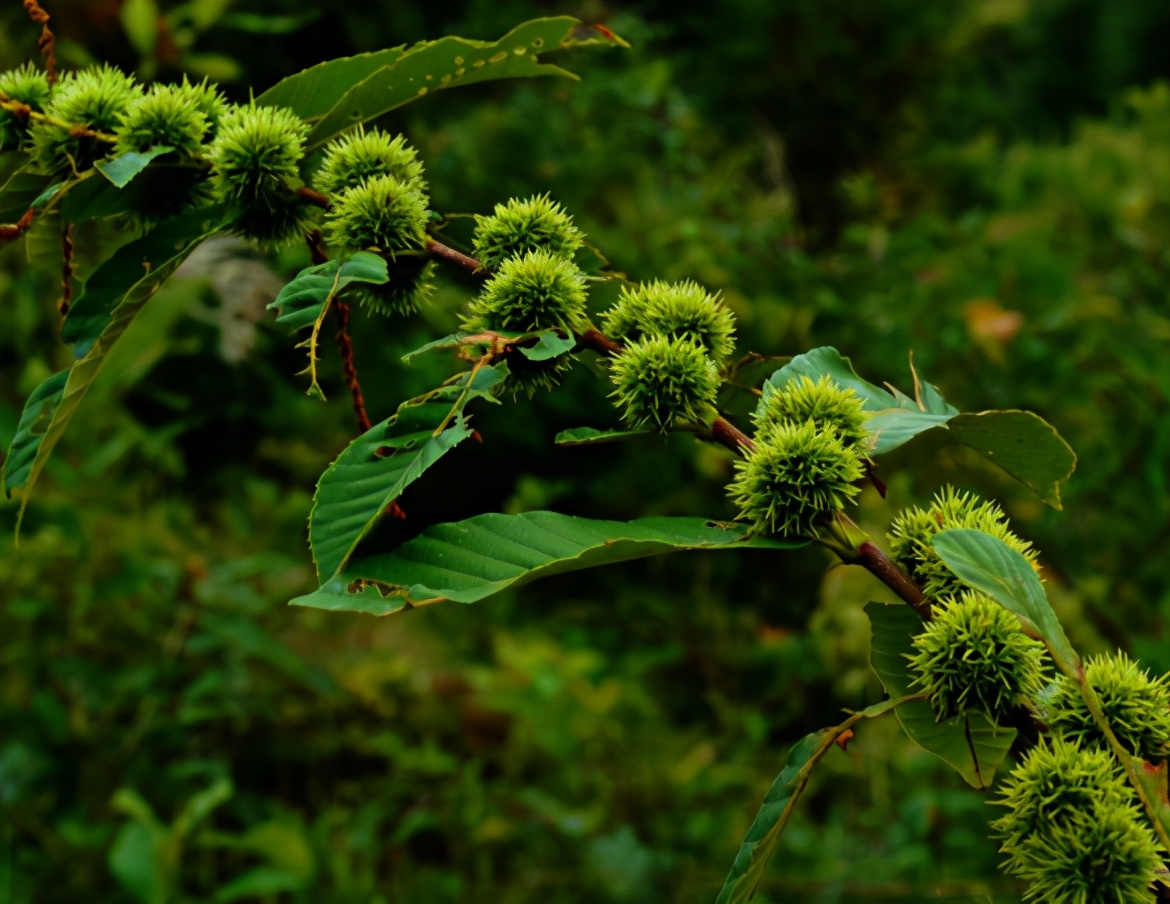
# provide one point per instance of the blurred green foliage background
(984, 183)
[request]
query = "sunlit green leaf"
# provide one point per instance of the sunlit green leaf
(994, 568)
(471, 560)
(299, 303)
(122, 169)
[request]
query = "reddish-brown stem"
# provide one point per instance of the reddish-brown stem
(871, 557)
(314, 197)
(345, 346)
(722, 431)
(596, 340)
(66, 298)
(316, 247)
(727, 434)
(438, 249)
(46, 42)
(11, 232)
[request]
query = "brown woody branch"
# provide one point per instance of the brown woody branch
(868, 554)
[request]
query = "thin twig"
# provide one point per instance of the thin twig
(24, 112)
(46, 42)
(871, 557)
(314, 197)
(867, 554)
(66, 299)
(438, 249)
(345, 346)
(11, 232)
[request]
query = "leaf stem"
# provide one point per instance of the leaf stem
(1124, 756)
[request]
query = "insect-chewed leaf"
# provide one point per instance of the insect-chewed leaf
(969, 743)
(471, 560)
(549, 345)
(374, 470)
(299, 303)
(378, 83)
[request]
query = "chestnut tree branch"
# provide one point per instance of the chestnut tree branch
(868, 554)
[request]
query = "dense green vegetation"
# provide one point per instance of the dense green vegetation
(880, 178)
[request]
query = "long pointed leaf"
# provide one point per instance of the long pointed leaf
(447, 63)
(34, 421)
(470, 560)
(992, 567)
(161, 249)
(763, 837)
(374, 470)
(137, 287)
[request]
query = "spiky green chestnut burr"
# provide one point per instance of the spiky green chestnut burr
(358, 157)
(661, 383)
(382, 214)
(1136, 705)
(795, 480)
(973, 655)
(410, 285)
(205, 98)
(27, 85)
(518, 227)
(675, 310)
(912, 530)
(167, 115)
(535, 291)
(254, 165)
(95, 98)
(1073, 829)
(1111, 856)
(164, 115)
(829, 406)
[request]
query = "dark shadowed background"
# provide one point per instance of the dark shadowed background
(984, 182)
